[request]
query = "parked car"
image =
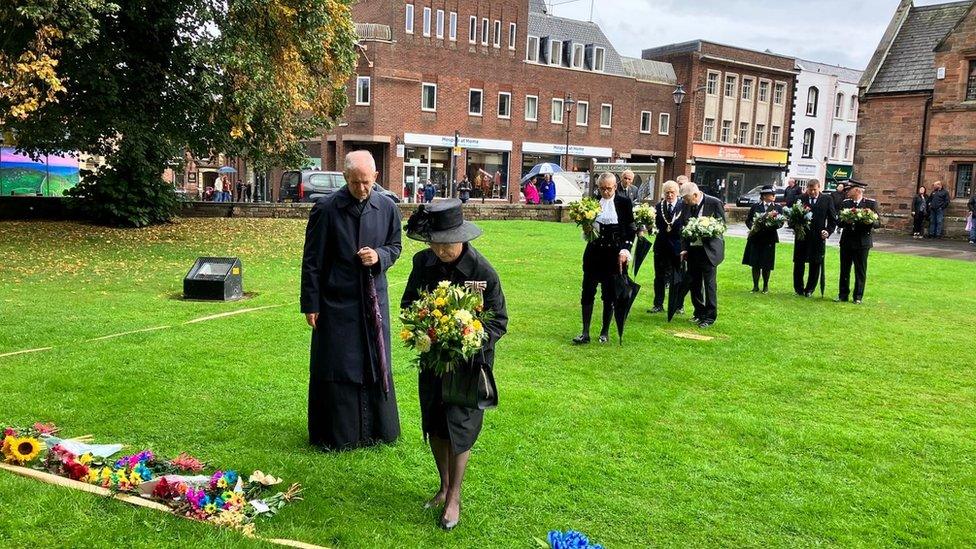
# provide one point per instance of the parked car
(752, 197)
(310, 185)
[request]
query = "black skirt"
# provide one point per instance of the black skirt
(460, 425)
(759, 254)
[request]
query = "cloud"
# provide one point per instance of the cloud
(839, 32)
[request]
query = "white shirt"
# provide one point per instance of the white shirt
(608, 216)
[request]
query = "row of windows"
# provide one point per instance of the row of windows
(732, 89)
(433, 22)
(742, 133)
(476, 100)
(565, 53)
(813, 101)
(809, 142)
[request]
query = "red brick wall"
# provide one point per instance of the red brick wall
(400, 67)
(889, 139)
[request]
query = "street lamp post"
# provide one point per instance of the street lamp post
(679, 97)
(568, 103)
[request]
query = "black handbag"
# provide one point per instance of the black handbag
(470, 385)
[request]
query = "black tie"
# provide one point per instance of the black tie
(670, 209)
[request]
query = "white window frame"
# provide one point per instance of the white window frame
(497, 41)
(834, 145)
(733, 91)
(609, 122)
(439, 24)
(645, 116)
(664, 122)
(579, 108)
(708, 130)
(852, 115)
(426, 24)
(779, 93)
(775, 136)
(848, 147)
(582, 54)
(535, 117)
(813, 93)
(759, 91)
(709, 88)
(751, 88)
(369, 90)
(409, 16)
(532, 53)
(744, 132)
(508, 115)
(481, 105)
(423, 87)
(759, 139)
(473, 30)
(807, 147)
(452, 27)
(512, 35)
(839, 104)
(485, 31)
(559, 111)
(555, 59)
(599, 59)
(725, 132)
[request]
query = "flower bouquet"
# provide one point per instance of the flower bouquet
(798, 217)
(769, 221)
(644, 216)
(858, 216)
(445, 326)
(22, 446)
(583, 212)
(697, 229)
(571, 539)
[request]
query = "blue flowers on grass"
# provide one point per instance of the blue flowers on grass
(571, 539)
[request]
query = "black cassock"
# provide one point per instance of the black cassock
(760, 249)
(347, 407)
(458, 424)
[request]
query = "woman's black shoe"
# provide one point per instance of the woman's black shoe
(581, 339)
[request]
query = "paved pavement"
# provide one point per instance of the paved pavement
(946, 249)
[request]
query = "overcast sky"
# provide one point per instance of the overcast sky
(839, 32)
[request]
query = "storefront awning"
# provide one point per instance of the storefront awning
(575, 150)
(720, 154)
(464, 142)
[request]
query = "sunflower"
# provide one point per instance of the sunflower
(22, 450)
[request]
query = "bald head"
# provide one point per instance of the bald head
(360, 173)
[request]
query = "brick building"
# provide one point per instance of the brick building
(499, 74)
(737, 116)
(918, 106)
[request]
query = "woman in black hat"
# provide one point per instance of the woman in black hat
(453, 428)
(760, 253)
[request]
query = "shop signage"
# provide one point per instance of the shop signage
(447, 141)
(575, 150)
(723, 153)
(457, 151)
(839, 172)
(806, 170)
(401, 150)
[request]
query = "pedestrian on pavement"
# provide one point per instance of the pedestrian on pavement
(791, 193)
(464, 190)
(218, 189)
(972, 219)
(429, 191)
(531, 193)
(938, 204)
(547, 189)
(920, 210)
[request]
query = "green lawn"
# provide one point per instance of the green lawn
(803, 423)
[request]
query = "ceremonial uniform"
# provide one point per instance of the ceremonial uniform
(601, 258)
(760, 251)
(855, 243)
(812, 248)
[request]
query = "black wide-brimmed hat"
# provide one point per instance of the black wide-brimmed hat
(441, 222)
(767, 189)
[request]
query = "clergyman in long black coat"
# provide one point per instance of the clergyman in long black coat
(855, 243)
(347, 407)
(812, 248)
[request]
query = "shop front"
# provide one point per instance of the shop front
(582, 156)
(429, 157)
(838, 173)
(728, 172)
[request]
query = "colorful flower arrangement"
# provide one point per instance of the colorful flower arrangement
(769, 221)
(571, 539)
(644, 216)
(798, 217)
(222, 498)
(698, 229)
(858, 216)
(583, 212)
(445, 326)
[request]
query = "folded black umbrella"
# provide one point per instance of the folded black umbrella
(625, 294)
(823, 275)
(640, 253)
(678, 289)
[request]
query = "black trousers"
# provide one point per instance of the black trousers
(703, 287)
(858, 258)
(664, 265)
(799, 268)
(918, 224)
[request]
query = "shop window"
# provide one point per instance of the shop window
(726, 134)
(531, 108)
(971, 82)
(473, 30)
(532, 49)
(964, 180)
(645, 122)
(606, 115)
(848, 146)
(774, 136)
(763, 91)
(708, 131)
(813, 97)
(747, 89)
(440, 24)
(557, 111)
(731, 81)
(779, 93)
(760, 135)
(408, 26)
(497, 42)
(362, 90)
(743, 133)
(452, 27)
(504, 105)
(512, 28)
(475, 97)
(711, 83)
(664, 123)
(428, 99)
(808, 140)
(582, 113)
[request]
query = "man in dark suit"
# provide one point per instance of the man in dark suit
(855, 243)
(791, 193)
(607, 256)
(703, 259)
(669, 220)
(813, 246)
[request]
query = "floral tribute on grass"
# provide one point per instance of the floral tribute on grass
(223, 497)
(571, 539)
(583, 212)
(445, 326)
